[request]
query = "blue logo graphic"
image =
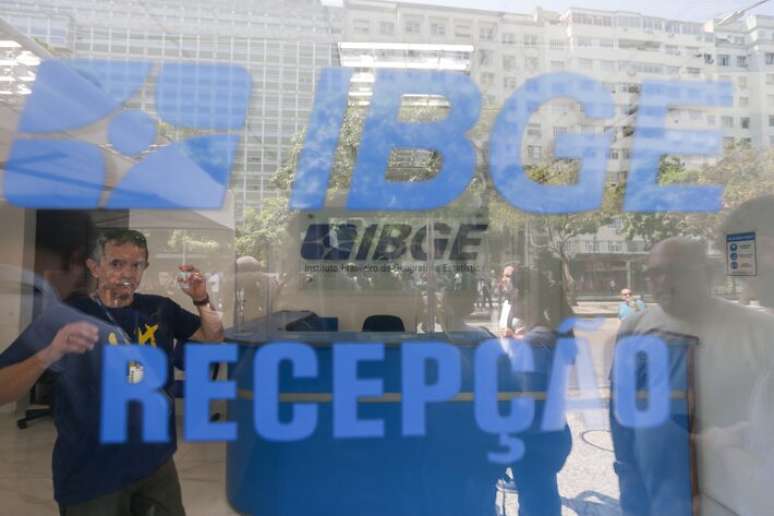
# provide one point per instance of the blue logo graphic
(50, 164)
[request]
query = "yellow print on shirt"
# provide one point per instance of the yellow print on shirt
(148, 336)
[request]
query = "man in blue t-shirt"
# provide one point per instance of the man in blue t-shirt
(91, 478)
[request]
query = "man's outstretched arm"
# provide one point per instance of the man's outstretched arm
(17, 379)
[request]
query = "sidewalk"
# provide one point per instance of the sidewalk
(607, 308)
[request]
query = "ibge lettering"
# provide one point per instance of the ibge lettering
(385, 242)
(384, 131)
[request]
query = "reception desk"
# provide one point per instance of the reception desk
(443, 472)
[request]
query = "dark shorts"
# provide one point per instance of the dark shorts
(157, 495)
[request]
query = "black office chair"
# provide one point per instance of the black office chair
(382, 322)
(42, 393)
(178, 388)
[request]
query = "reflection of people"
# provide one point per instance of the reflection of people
(732, 342)
(63, 240)
(540, 307)
(504, 291)
(458, 302)
(629, 304)
(133, 478)
(485, 290)
(747, 448)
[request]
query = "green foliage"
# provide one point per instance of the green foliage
(654, 227)
(743, 171)
(262, 230)
(193, 242)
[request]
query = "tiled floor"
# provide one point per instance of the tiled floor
(587, 483)
(25, 472)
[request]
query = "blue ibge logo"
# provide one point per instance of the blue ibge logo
(50, 166)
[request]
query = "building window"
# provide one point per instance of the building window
(742, 82)
(724, 60)
(531, 63)
(770, 78)
(462, 30)
(487, 78)
(438, 28)
(559, 130)
(557, 65)
(745, 122)
(606, 43)
(584, 42)
(586, 64)
(485, 57)
(741, 61)
(509, 38)
(361, 26)
(510, 83)
(486, 33)
(386, 28)
(557, 44)
(744, 101)
(607, 66)
(412, 27)
(509, 63)
(727, 122)
(771, 120)
(530, 40)
(534, 151)
(652, 24)
(769, 58)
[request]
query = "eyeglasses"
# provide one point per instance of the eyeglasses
(118, 265)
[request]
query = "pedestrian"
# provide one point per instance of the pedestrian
(539, 307)
(629, 304)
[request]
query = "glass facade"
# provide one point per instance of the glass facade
(365, 257)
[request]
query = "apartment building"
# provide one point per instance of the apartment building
(619, 49)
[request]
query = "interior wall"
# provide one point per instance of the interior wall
(16, 255)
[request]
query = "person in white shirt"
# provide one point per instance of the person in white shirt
(732, 357)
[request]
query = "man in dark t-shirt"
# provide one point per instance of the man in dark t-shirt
(90, 478)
